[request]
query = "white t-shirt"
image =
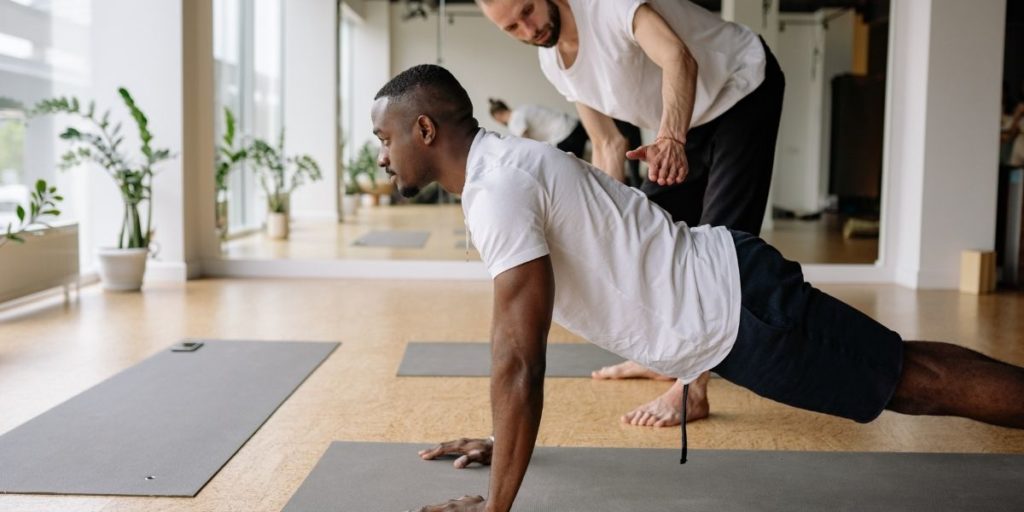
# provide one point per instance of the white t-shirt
(627, 278)
(613, 75)
(541, 123)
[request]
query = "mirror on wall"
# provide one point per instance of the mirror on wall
(827, 183)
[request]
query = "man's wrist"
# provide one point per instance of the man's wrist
(681, 142)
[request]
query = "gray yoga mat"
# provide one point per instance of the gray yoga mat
(378, 477)
(163, 427)
(395, 239)
(448, 359)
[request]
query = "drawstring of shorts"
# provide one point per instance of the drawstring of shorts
(686, 391)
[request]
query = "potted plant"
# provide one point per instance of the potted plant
(364, 172)
(42, 203)
(364, 165)
(229, 154)
(279, 176)
(121, 268)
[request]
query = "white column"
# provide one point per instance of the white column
(310, 96)
(943, 150)
(201, 240)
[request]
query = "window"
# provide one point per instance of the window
(247, 42)
(44, 52)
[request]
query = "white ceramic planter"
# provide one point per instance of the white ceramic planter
(122, 270)
(349, 202)
(277, 226)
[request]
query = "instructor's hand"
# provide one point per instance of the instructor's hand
(666, 160)
(466, 450)
(463, 504)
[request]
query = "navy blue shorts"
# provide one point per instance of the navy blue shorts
(802, 347)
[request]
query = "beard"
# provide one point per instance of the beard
(554, 27)
(409, 192)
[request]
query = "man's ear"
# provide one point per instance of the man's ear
(427, 129)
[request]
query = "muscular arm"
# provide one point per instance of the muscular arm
(666, 156)
(523, 302)
(609, 144)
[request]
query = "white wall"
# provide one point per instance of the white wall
(487, 62)
(310, 99)
(370, 53)
(138, 45)
(945, 106)
(810, 56)
(797, 151)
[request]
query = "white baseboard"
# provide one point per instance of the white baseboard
(923, 279)
(328, 215)
(166, 271)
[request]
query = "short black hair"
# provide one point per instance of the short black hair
(497, 106)
(434, 91)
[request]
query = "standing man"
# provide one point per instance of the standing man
(710, 89)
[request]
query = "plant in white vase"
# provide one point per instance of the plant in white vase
(122, 267)
(279, 176)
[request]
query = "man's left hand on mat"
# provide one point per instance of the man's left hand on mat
(466, 451)
(463, 504)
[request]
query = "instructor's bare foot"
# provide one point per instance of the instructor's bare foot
(627, 370)
(664, 411)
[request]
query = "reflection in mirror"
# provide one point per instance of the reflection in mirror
(827, 183)
(826, 189)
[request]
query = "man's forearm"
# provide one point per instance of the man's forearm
(679, 91)
(517, 398)
(609, 156)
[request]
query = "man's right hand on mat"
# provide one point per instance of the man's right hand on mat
(466, 451)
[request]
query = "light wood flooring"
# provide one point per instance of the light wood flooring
(50, 352)
(803, 241)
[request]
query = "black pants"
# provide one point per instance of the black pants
(730, 162)
(802, 347)
(575, 142)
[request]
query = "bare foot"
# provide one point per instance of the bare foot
(665, 411)
(627, 370)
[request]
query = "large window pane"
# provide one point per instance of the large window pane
(247, 53)
(44, 52)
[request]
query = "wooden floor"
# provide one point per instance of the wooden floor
(324, 239)
(803, 241)
(49, 353)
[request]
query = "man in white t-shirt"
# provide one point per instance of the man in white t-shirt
(564, 241)
(711, 90)
(547, 125)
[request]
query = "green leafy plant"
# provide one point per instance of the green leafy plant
(43, 202)
(280, 175)
(100, 143)
(229, 153)
(365, 164)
